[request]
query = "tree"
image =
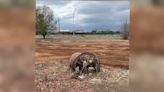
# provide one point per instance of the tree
(44, 21)
(41, 25)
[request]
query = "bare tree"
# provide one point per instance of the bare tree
(125, 31)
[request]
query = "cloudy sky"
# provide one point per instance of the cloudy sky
(89, 15)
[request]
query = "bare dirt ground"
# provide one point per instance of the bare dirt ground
(52, 72)
(115, 53)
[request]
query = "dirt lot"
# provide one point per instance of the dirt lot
(52, 72)
(115, 53)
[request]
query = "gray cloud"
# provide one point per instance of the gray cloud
(90, 14)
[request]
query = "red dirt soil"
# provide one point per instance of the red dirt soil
(114, 53)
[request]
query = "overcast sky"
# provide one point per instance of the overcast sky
(89, 15)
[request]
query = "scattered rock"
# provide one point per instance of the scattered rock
(56, 77)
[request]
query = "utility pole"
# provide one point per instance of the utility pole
(74, 12)
(59, 25)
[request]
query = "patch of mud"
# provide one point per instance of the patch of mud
(56, 77)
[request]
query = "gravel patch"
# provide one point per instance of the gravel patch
(56, 77)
